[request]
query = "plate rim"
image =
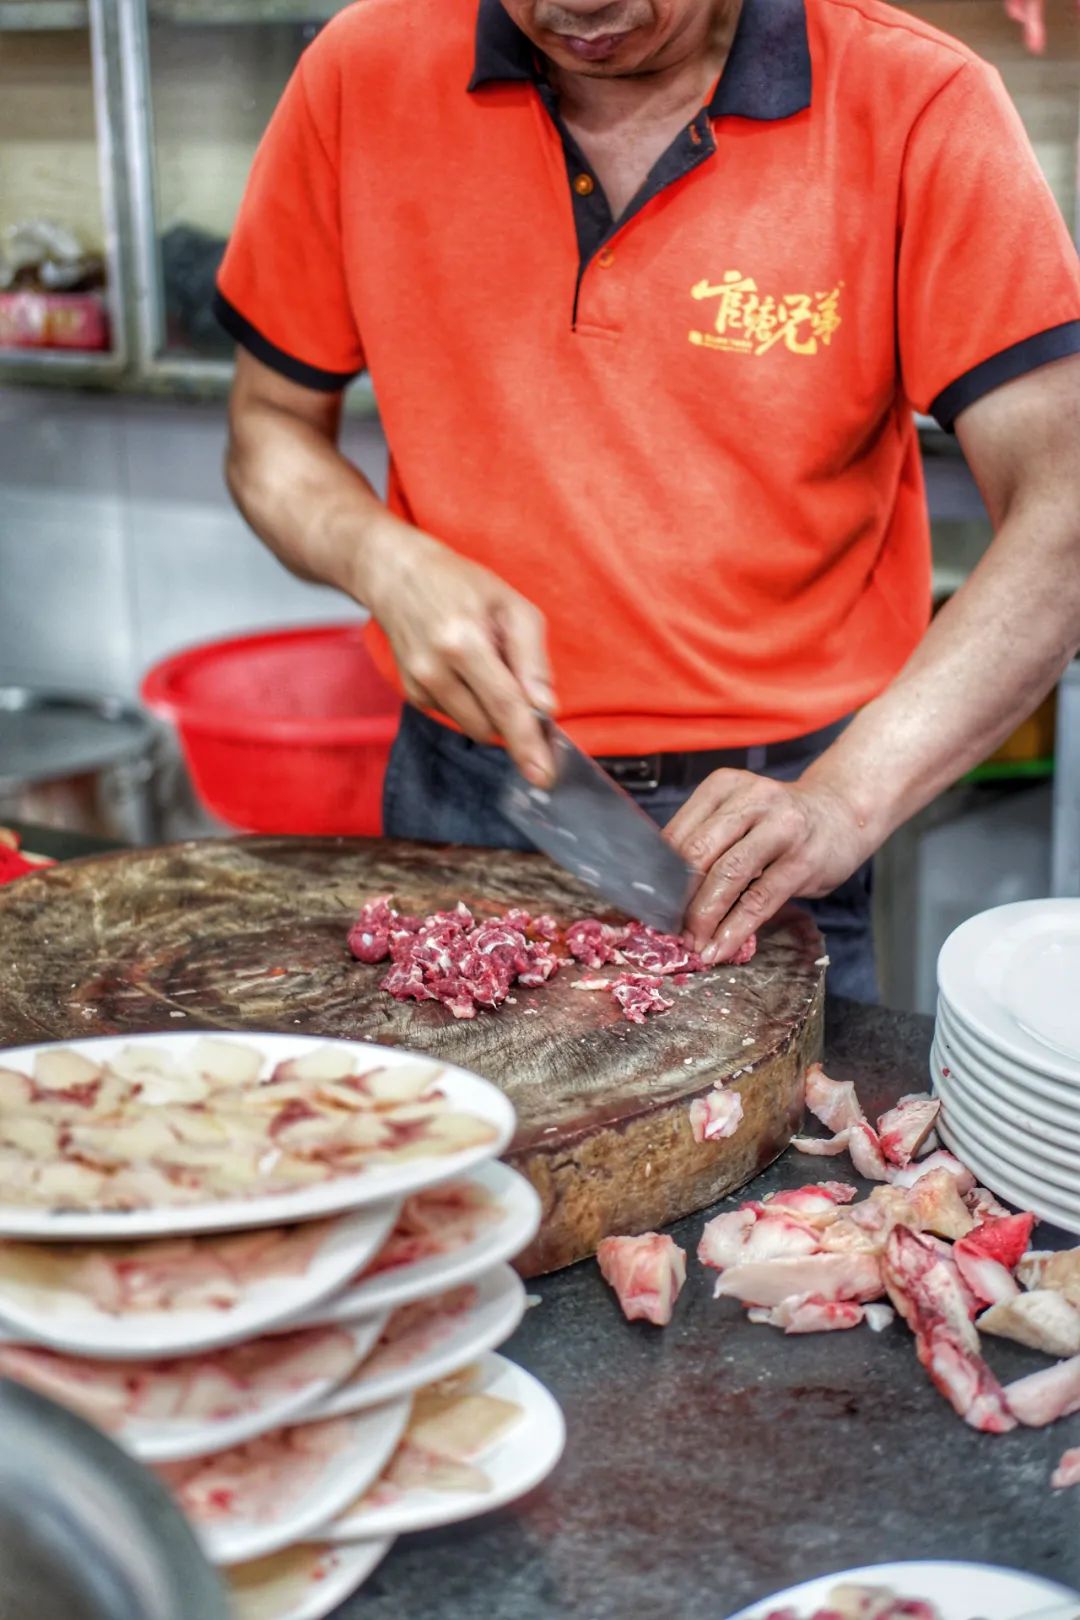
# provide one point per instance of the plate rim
(1053, 1092)
(337, 1592)
(457, 1269)
(956, 1097)
(19, 1321)
(757, 1610)
(456, 1511)
(507, 1287)
(278, 1209)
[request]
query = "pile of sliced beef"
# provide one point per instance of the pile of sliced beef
(466, 963)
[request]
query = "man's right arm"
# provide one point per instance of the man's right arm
(466, 644)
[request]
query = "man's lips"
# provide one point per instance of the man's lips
(597, 49)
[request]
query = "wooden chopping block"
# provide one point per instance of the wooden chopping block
(250, 934)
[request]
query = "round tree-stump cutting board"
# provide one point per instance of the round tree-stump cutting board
(250, 933)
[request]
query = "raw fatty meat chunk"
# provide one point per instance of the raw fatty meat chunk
(646, 1272)
(718, 1114)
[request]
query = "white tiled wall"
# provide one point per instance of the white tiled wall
(118, 542)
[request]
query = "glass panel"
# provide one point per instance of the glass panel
(216, 72)
(53, 235)
(1046, 88)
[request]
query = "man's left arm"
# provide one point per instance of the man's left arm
(987, 660)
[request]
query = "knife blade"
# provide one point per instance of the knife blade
(591, 827)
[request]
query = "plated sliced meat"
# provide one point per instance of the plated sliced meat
(647, 1274)
(449, 1430)
(212, 1388)
(147, 1131)
(436, 1222)
(415, 1330)
(262, 1480)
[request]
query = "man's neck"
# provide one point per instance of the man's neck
(681, 78)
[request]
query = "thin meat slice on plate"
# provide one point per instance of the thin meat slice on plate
(1067, 1471)
(647, 1274)
(1043, 1397)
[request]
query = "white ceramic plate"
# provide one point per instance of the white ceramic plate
(170, 1440)
(1023, 1139)
(499, 1307)
(995, 1174)
(515, 1464)
(1047, 1094)
(67, 1319)
(996, 1080)
(1023, 1168)
(302, 1583)
(517, 1224)
(960, 1591)
(342, 1478)
(1006, 973)
(466, 1091)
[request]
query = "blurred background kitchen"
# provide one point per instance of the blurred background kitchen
(126, 132)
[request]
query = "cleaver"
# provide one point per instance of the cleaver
(592, 827)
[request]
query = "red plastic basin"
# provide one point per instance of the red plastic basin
(288, 731)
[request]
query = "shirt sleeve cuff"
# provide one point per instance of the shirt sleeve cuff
(1056, 343)
(298, 371)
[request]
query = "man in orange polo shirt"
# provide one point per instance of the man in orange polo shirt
(648, 290)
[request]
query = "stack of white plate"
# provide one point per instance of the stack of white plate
(375, 1309)
(1006, 1053)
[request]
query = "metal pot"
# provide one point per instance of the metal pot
(86, 1533)
(85, 764)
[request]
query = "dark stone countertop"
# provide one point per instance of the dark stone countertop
(712, 1463)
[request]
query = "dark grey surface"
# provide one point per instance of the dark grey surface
(712, 1463)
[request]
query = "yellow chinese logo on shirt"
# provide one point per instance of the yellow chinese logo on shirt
(747, 322)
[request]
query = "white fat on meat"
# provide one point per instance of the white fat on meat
(990, 1281)
(866, 1154)
(1056, 1269)
(1067, 1471)
(646, 1272)
(984, 1206)
(822, 1147)
(829, 1276)
(878, 1317)
(926, 1288)
(819, 1198)
(1043, 1397)
(904, 1129)
(833, 1102)
(965, 1381)
(1041, 1319)
(718, 1114)
(932, 1205)
(941, 1160)
(810, 1313)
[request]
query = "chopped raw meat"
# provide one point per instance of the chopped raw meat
(1043, 1397)
(1002, 1238)
(1067, 1471)
(822, 1147)
(639, 996)
(833, 1102)
(1042, 1319)
(464, 963)
(965, 1381)
(810, 1313)
(719, 1113)
(987, 1278)
(932, 1205)
(1059, 1270)
(819, 1198)
(646, 1272)
(866, 1154)
(878, 1317)
(904, 1129)
(829, 1276)
(941, 1160)
(984, 1206)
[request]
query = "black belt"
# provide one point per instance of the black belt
(644, 773)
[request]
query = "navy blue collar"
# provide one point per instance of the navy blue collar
(767, 75)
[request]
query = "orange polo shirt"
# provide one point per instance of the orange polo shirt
(685, 434)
